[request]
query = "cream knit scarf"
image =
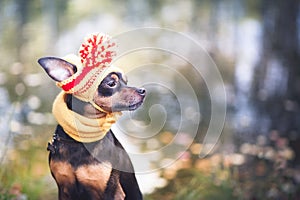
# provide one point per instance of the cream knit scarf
(81, 128)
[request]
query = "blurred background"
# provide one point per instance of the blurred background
(255, 45)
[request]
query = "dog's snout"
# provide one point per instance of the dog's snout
(141, 91)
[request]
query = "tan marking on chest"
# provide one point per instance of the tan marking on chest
(120, 195)
(62, 172)
(95, 176)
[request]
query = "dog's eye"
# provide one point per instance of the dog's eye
(112, 83)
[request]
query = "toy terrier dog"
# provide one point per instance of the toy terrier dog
(86, 159)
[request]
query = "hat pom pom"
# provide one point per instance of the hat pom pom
(98, 50)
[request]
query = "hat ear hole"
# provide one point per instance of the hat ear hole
(57, 68)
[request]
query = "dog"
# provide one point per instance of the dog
(95, 167)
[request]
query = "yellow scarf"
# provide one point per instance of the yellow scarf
(81, 128)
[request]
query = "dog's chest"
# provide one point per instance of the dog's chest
(89, 170)
(94, 177)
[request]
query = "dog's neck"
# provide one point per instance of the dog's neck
(83, 108)
(80, 127)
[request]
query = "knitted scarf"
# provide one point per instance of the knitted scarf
(81, 128)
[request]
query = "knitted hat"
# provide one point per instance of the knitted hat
(93, 65)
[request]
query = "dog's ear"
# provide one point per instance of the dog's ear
(57, 68)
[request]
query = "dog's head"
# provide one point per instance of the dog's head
(92, 80)
(111, 95)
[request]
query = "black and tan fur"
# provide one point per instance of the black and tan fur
(96, 170)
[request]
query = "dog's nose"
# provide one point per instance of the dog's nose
(141, 91)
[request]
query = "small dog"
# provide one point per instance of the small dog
(91, 165)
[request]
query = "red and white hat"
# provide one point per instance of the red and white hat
(93, 65)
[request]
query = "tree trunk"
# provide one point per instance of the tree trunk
(276, 87)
